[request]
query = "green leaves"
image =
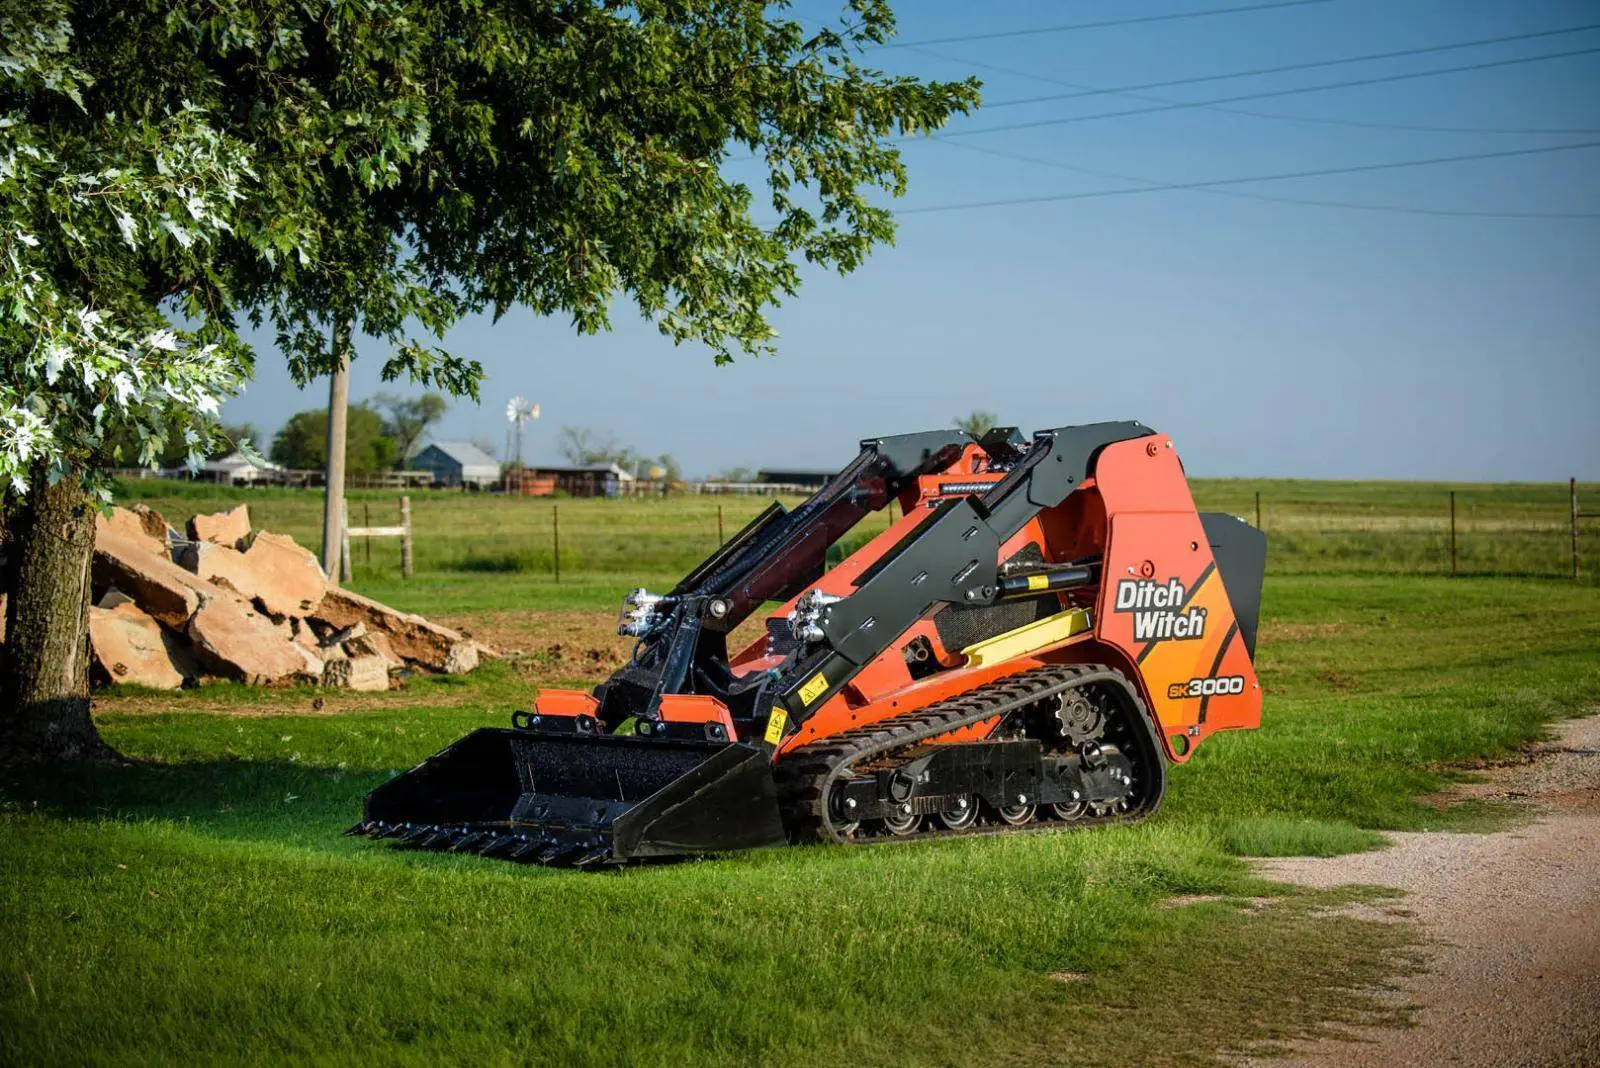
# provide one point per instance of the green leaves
(396, 164)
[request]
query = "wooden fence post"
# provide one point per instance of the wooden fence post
(1452, 533)
(555, 533)
(720, 539)
(1258, 509)
(1572, 492)
(405, 539)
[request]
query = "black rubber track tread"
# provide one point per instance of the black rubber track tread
(807, 774)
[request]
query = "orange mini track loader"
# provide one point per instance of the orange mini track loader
(1045, 625)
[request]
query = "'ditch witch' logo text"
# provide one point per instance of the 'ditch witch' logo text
(1155, 607)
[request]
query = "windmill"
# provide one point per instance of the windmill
(518, 412)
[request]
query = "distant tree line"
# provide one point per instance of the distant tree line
(583, 445)
(382, 434)
(385, 431)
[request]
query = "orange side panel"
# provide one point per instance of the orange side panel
(1162, 602)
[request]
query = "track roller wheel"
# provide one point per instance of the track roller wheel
(902, 823)
(962, 813)
(1015, 815)
(1070, 810)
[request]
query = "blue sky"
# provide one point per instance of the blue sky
(1270, 339)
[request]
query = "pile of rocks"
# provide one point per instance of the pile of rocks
(222, 602)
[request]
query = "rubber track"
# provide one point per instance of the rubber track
(807, 775)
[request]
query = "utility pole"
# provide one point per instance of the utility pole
(338, 411)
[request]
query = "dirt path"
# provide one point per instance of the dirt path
(1515, 977)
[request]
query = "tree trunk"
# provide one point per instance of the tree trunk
(44, 669)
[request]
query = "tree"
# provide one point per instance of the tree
(583, 445)
(302, 442)
(407, 419)
(224, 441)
(977, 422)
(91, 370)
(382, 169)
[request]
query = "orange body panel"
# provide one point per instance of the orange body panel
(1162, 603)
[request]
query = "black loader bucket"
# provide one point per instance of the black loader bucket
(579, 799)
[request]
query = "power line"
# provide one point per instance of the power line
(1083, 91)
(1397, 209)
(1319, 173)
(1128, 91)
(1104, 24)
(1264, 94)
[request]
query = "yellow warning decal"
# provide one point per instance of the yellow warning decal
(775, 725)
(1038, 582)
(815, 688)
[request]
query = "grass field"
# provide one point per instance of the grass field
(199, 906)
(468, 545)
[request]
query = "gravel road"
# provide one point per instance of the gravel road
(1515, 918)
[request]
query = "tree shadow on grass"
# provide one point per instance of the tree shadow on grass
(268, 801)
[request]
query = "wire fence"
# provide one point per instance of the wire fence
(1517, 531)
(1533, 529)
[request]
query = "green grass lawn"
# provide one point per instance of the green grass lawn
(200, 905)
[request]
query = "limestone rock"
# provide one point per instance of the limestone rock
(159, 586)
(229, 528)
(411, 637)
(280, 577)
(137, 527)
(357, 673)
(238, 643)
(220, 565)
(311, 663)
(130, 646)
(289, 581)
(374, 645)
(462, 658)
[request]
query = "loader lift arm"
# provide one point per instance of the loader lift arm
(683, 649)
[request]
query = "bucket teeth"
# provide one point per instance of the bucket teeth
(575, 847)
(494, 843)
(554, 851)
(470, 840)
(524, 846)
(596, 853)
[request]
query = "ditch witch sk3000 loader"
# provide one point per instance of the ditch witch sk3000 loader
(1045, 625)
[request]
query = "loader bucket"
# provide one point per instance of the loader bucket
(580, 800)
